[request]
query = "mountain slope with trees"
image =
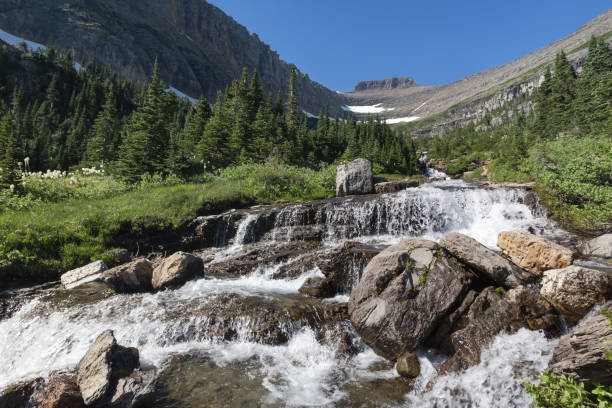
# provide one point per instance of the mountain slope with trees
(200, 49)
(564, 143)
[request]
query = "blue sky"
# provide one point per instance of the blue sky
(341, 42)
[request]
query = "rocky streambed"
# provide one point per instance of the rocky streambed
(312, 304)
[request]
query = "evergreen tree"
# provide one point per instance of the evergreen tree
(9, 153)
(105, 131)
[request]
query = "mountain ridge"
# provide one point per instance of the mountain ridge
(200, 49)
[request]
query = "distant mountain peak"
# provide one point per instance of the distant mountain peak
(389, 83)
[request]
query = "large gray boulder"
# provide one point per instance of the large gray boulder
(581, 353)
(177, 269)
(575, 290)
(600, 247)
(488, 264)
(403, 294)
(354, 178)
(101, 368)
(536, 254)
(131, 277)
(84, 274)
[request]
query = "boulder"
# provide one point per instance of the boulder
(575, 290)
(403, 294)
(132, 277)
(60, 392)
(536, 254)
(394, 186)
(493, 312)
(102, 366)
(600, 247)
(84, 274)
(317, 287)
(408, 365)
(177, 269)
(18, 395)
(486, 263)
(581, 353)
(354, 178)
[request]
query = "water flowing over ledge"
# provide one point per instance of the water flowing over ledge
(221, 327)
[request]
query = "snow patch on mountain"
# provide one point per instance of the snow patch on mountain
(182, 94)
(402, 120)
(14, 40)
(378, 108)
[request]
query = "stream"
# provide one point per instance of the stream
(244, 336)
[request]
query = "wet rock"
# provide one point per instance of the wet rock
(493, 312)
(581, 353)
(317, 287)
(137, 390)
(402, 295)
(84, 274)
(342, 266)
(177, 269)
(533, 253)
(132, 277)
(85, 294)
(394, 186)
(487, 264)
(575, 290)
(102, 366)
(408, 365)
(354, 178)
(295, 256)
(60, 392)
(600, 247)
(18, 395)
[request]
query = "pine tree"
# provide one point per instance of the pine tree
(148, 133)
(212, 148)
(196, 123)
(292, 117)
(9, 153)
(104, 132)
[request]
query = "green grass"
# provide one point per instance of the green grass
(46, 238)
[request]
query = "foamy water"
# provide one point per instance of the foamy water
(38, 340)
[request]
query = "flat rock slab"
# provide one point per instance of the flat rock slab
(84, 274)
(536, 254)
(394, 186)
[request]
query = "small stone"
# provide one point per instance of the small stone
(60, 392)
(317, 287)
(132, 277)
(177, 269)
(18, 394)
(600, 247)
(408, 365)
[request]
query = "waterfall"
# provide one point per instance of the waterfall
(241, 332)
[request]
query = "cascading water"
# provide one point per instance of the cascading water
(242, 332)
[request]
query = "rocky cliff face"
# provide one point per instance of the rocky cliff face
(200, 49)
(390, 83)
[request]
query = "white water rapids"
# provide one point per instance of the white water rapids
(38, 340)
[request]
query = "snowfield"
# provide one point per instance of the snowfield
(378, 108)
(182, 94)
(402, 120)
(14, 40)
